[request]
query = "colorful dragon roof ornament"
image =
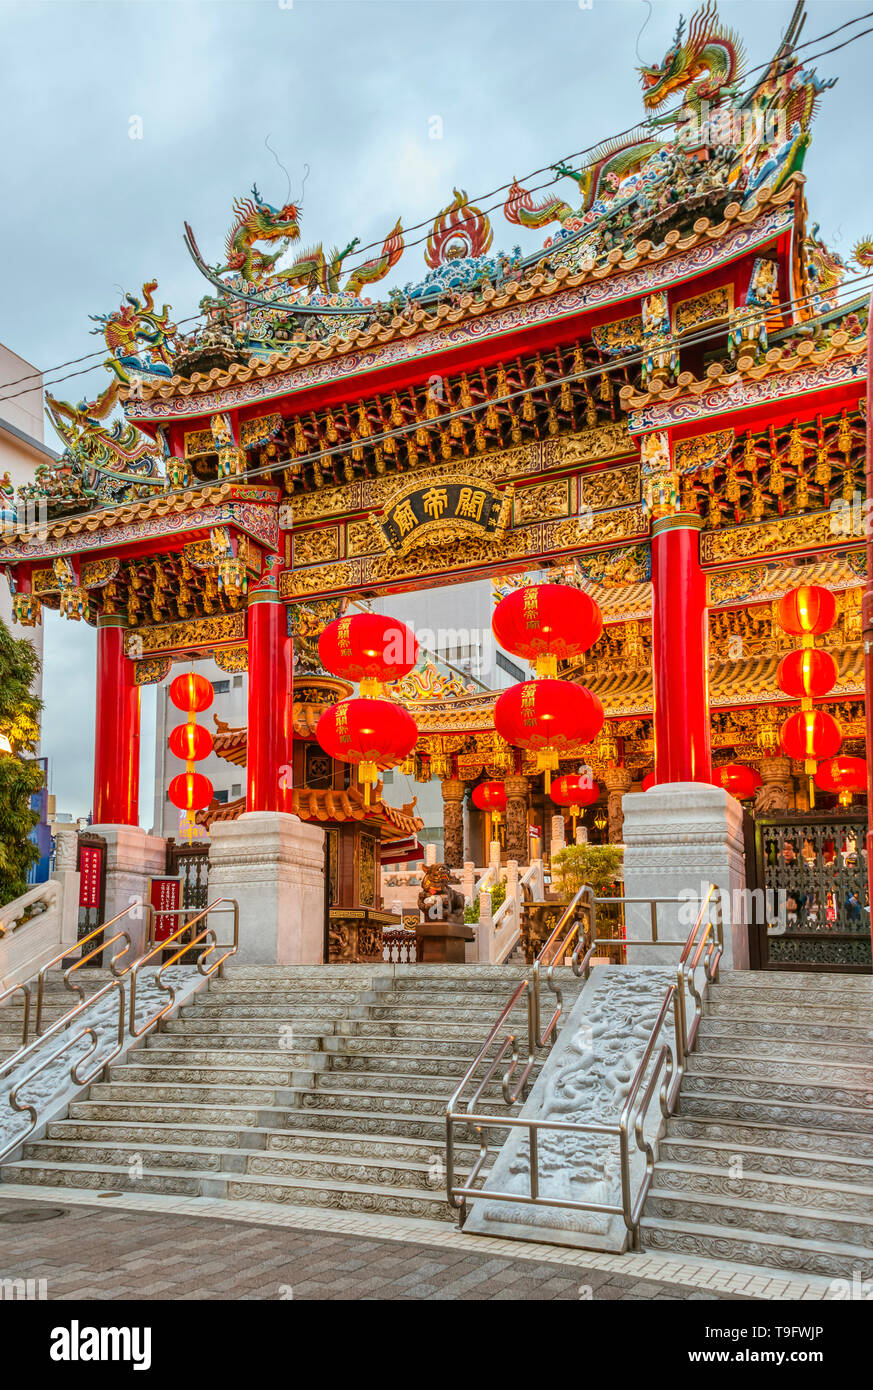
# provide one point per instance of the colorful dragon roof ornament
(103, 460)
(314, 270)
(139, 339)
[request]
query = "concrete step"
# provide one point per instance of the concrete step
(763, 982)
(347, 1120)
(854, 1012)
(813, 1196)
(787, 1254)
(833, 1050)
(125, 1092)
(327, 1193)
(773, 1085)
(310, 1158)
(760, 1030)
(273, 1057)
(808, 1070)
(773, 1160)
(272, 1073)
(726, 1105)
(848, 1228)
(273, 1041)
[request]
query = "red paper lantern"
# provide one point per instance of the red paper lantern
(649, 780)
(810, 735)
(490, 796)
(807, 673)
(367, 733)
(574, 791)
(190, 742)
(741, 781)
(807, 610)
(191, 692)
(547, 622)
(190, 791)
(843, 776)
(549, 718)
(368, 647)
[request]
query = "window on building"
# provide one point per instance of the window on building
(221, 798)
(387, 778)
(237, 682)
(236, 790)
(221, 687)
(510, 667)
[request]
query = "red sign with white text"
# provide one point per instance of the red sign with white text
(90, 873)
(165, 896)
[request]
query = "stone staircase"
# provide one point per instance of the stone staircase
(323, 1088)
(770, 1158)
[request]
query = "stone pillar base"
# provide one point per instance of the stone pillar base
(132, 858)
(273, 864)
(680, 837)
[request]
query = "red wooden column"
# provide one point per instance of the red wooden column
(680, 651)
(867, 614)
(116, 745)
(270, 732)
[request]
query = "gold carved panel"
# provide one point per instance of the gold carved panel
(712, 307)
(588, 446)
(779, 537)
(363, 538)
(542, 501)
(622, 524)
(232, 659)
(609, 487)
(199, 632)
(316, 547)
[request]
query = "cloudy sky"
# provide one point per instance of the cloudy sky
(349, 89)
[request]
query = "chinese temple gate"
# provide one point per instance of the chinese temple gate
(663, 404)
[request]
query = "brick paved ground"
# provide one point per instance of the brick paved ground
(102, 1253)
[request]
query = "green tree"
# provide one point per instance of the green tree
(20, 775)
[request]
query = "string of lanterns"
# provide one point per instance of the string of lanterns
(368, 731)
(545, 623)
(190, 791)
(808, 674)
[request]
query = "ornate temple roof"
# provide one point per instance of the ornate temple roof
(331, 806)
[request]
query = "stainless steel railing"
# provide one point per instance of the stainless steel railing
(97, 942)
(662, 1064)
(124, 982)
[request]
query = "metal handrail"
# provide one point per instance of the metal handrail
(704, 943)
(207, 934)
(545, 1038)
(117, 983)
(26, 987)
(59, 1026)
(96, 950)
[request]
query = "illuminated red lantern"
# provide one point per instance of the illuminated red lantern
(191, 692)
(807, 673)
(190, 742)
(367, 733)
(190, 791)
(490, 796)
(810, 735)
(550, 718)
(741, 781)
(843, 776)
(546, 623)
(368, 647)
(649, 780)
(807, 610)
(574, 791)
